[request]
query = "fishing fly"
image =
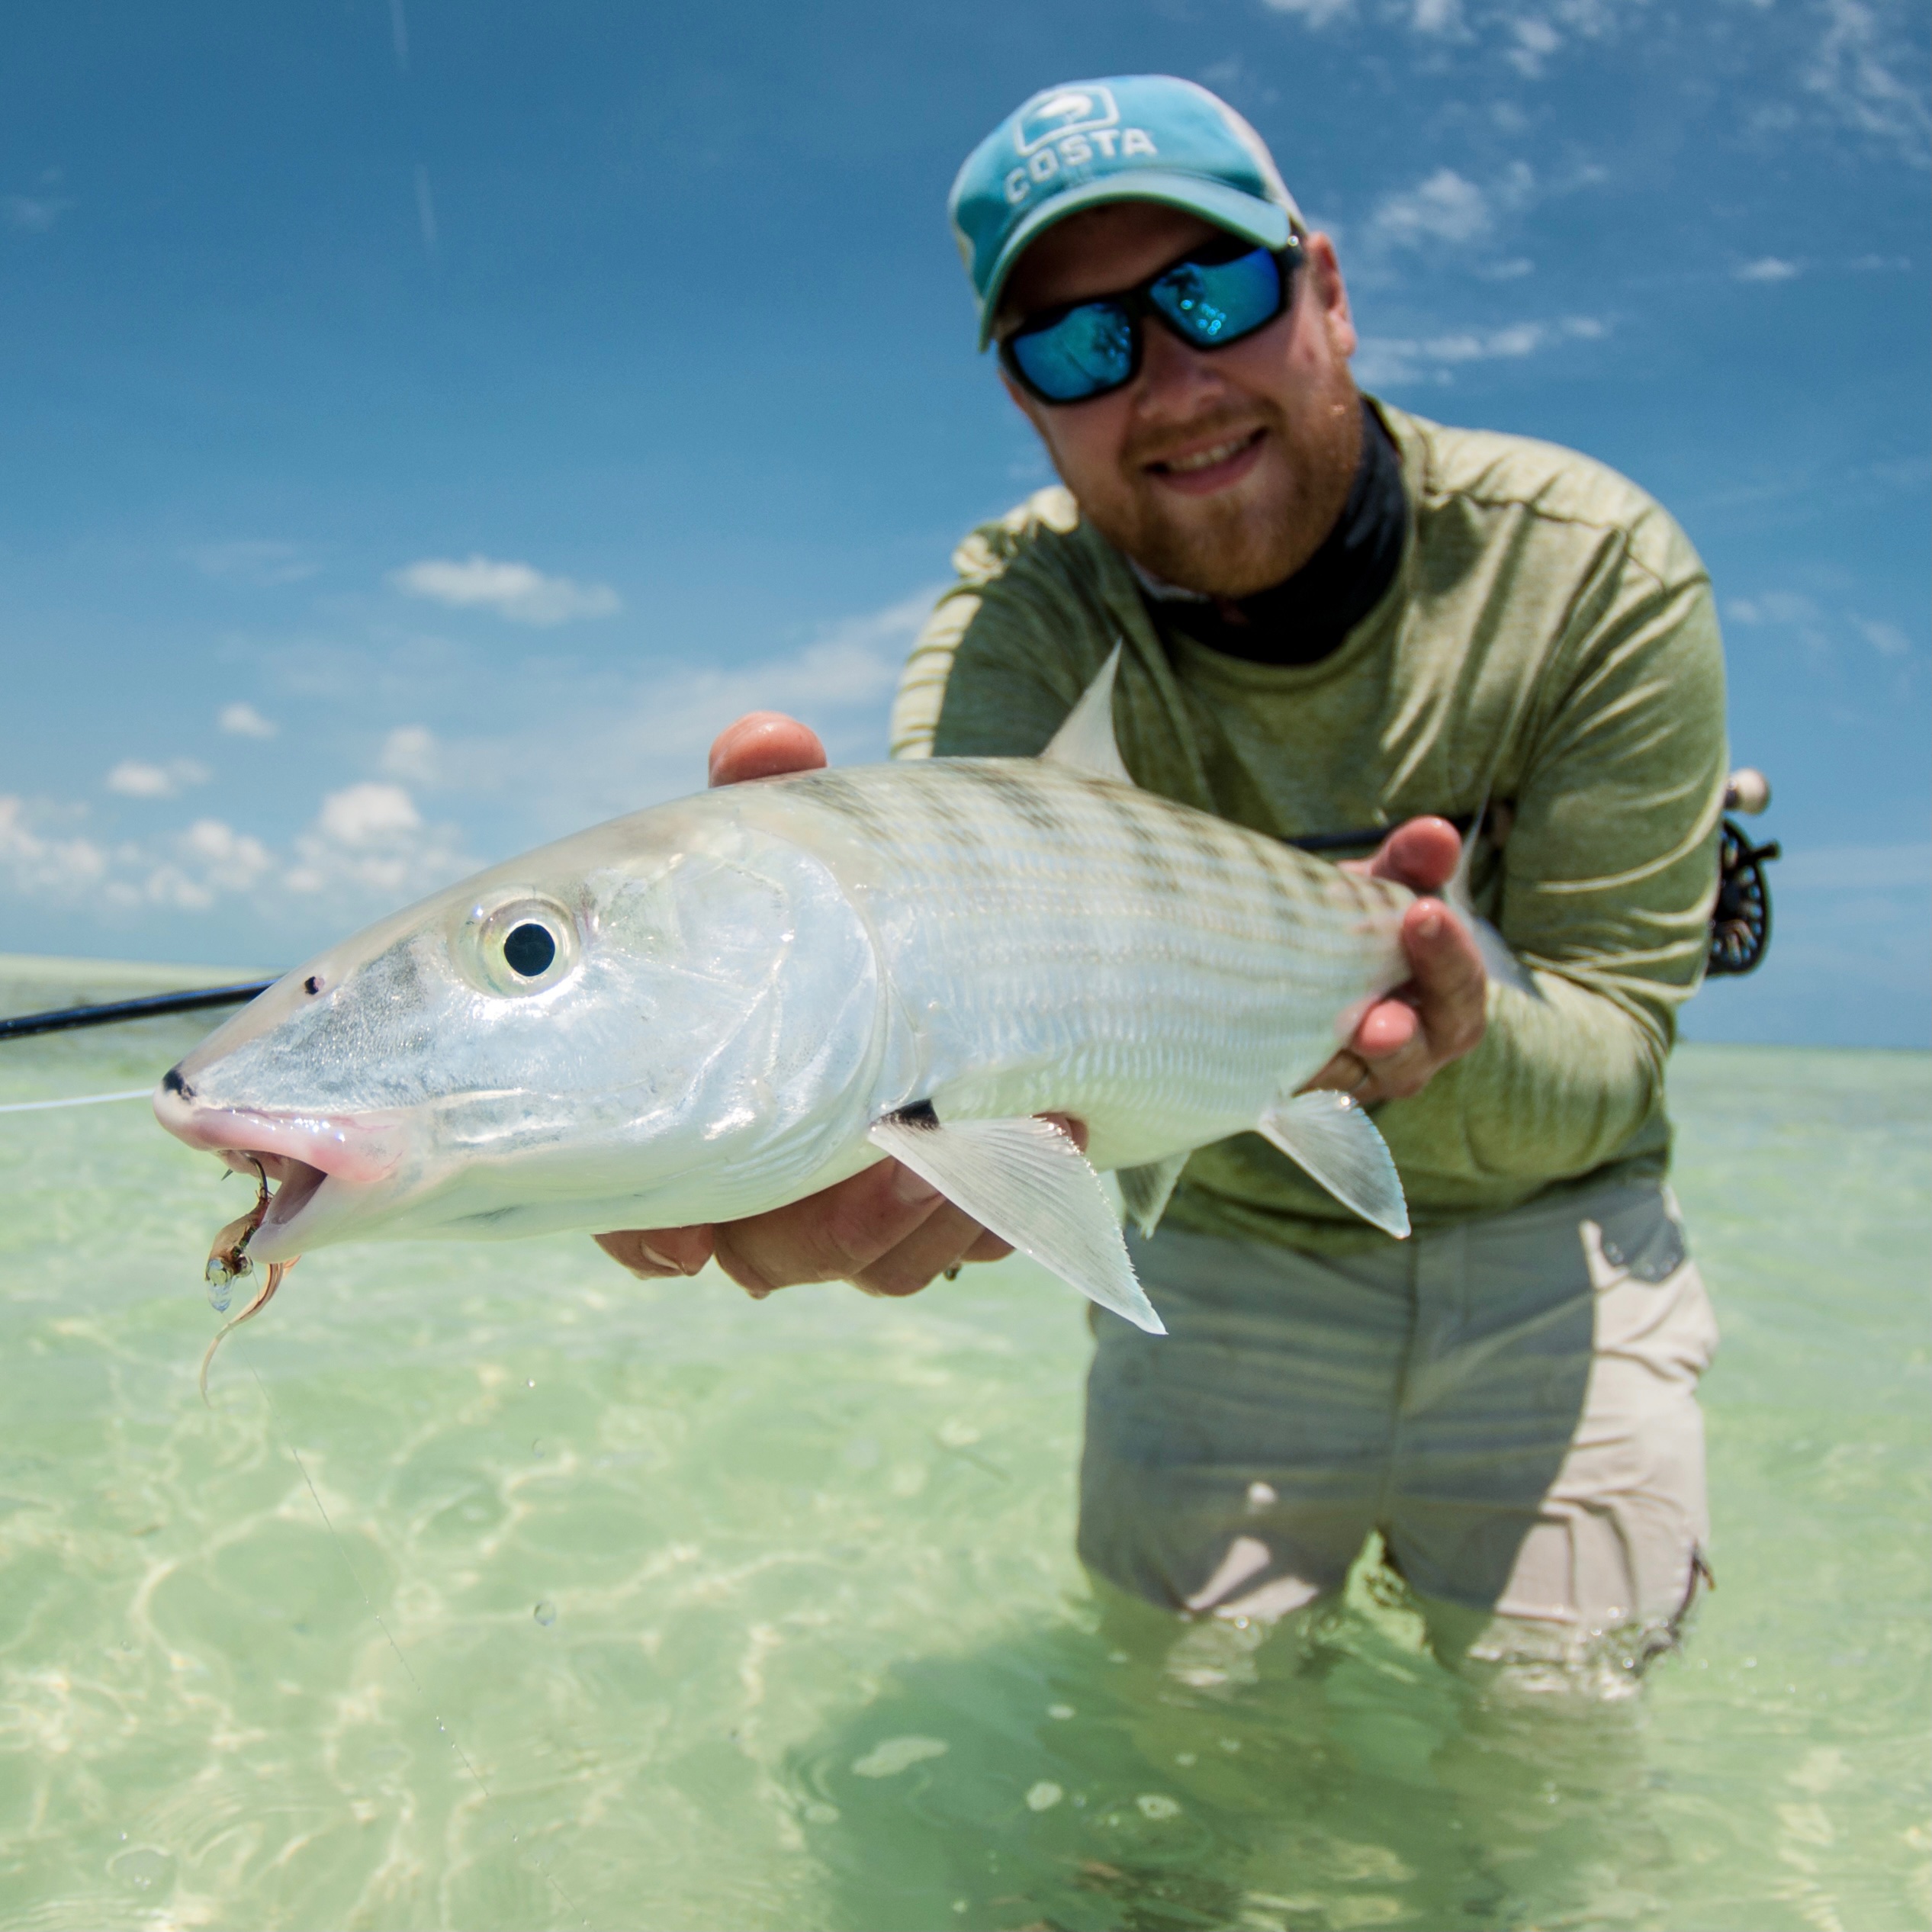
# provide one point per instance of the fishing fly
(229, 1261)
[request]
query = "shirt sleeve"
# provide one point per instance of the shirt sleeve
(1006, 652)
(1604, 891)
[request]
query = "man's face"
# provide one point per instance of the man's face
(1220, 470)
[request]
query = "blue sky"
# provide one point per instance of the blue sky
(427, 425)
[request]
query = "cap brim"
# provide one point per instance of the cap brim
(1266, 223)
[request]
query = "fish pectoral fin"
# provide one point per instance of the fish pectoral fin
(1025, 1181)
(1086, 742)
(1145, 1190)
(1335, 1143)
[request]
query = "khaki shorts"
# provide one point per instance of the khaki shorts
(1512, 1402)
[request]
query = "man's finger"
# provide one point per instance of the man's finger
(764, 744)
(651, 1253)
(829, 1237)
(1421, 854)
(1450, 982)
(942, 1242)
(1387, 1027)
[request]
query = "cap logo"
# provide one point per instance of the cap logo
(1070, 110)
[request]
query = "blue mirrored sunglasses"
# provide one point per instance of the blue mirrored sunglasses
(1210, 297)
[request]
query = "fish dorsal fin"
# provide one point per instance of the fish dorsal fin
(1025, 1181)
(1144, 1191)
(1086, 741)
(1498, 960)
(1329, 1137)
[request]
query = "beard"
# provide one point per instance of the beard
(1263, 529)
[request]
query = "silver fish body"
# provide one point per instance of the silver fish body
(747, 988)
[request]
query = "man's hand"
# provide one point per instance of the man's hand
(886, 1230)
(1438, 1015)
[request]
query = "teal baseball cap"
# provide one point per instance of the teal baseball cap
(1137, 137)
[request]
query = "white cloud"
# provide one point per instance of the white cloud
(369, 814)
(36, 861)
(1445, 207)
(367, 850)
(209, 860)
(612, 747)
(1773, 607)
(1861, 61)
(369, 844)
(1448, 209)
(1867, 69)
(32, 214)
(262, 565)
(133, 778)
(1535, 41)
(410, 752)
(1822, 631)
(512, 590)
(1886, 639)
(244, 721)
(1317, 13)
(1383, 359)
(651, 744)
(1767, 267)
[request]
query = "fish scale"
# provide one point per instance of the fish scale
(1094, 950)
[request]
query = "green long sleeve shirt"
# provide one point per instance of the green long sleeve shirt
(1549, 643)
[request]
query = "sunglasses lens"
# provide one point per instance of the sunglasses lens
(1087, 351)
(1210, 303)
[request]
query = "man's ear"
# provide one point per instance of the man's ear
(1326, 284)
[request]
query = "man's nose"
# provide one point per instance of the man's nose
(1174, 379)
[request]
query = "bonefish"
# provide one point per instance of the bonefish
(713, 1007)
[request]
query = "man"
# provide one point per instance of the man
(1337, 618)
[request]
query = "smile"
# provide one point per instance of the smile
(1212, 468)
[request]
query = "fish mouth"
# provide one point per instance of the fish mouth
(294, 1185)
(316, 1165)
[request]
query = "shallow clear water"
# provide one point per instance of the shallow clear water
(646, 1606)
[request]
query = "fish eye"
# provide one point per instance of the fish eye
(517, 945)
(529, 950)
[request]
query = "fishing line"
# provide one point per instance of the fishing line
(78, 1100)
(368, 1603)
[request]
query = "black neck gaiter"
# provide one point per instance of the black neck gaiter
(1306, 616)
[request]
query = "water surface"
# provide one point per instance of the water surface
(497, 1589)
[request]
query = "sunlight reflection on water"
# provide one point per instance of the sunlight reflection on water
(768, 1614)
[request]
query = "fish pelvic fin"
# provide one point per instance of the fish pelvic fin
(1025, 1181)
(1086, 741)
(1144, 1191)
(1330, 1138)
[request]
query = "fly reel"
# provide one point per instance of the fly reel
(1740, 920)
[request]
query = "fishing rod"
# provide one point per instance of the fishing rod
(63, 1018)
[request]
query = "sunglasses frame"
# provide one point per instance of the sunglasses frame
(1141, 308)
